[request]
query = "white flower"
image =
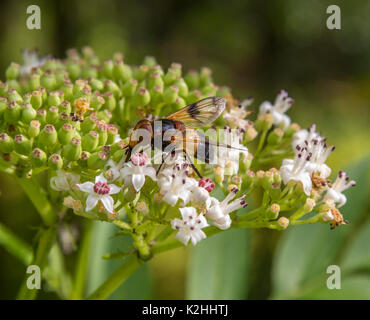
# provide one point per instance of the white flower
(235, 116)
(317, 150)
(282, 103)
(64, 180)
(31, 60)
(175, 184)
(340, 184)
(200, 192)
(189, 228)
(115, 169)
(219, 211)
(297, 170)
(99, 191)
(134, 172)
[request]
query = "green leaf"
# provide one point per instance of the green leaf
(138, 286)
(219, 267)
(306, 251)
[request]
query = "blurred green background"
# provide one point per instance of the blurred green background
(256, 49)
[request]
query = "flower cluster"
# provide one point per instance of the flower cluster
(71, 120)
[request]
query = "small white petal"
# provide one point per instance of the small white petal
(91, 201)
(100, 178)
(138, 181)
(86, 187)
(113, 189)
(108, 202)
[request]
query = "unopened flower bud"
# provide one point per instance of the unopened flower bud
(264, 122)
(6, 143)
(309, 205)
(65, 133)
(205, 76)
(41, 116)
(140, 72)
(38, 157)
(108, 66)
(34, 81)
(77, 205)
(275, 191)
(52, 115)
(183, 87)
(232, 187)
(12, 113)
(142, 207)
(90, 141)
(28, 113)
(110, 101)
(13, 95)
(170, 77)
(292, 129)
(141, 97)
(101, 128)
(111, 86)
(273, 211)
(121, 71)
(48, 80)
(192, 79)
(170, 94)
(55, 161)
(36, 99)
(97, 101)
(3, 106)
(48, 136)
(68, 202)
(283, 222)
(34, 128)
(22, 144)
(72, 151)
(83, 159)
(250, 134)
(112, 133)
(12, 71)
(97, 160)
(90, 122)
(219, 175)
(149, 61)
(275, 136)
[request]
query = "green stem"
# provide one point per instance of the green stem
(261, 142)
(38, 197)
(46, 241)
(116, 278)
(79, 282)
(15, 245)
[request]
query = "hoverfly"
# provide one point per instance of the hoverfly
(185, 121)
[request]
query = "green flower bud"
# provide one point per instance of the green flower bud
(54, 98)
(112, 132)
(81, 89)
(3, 106)
(267, 180)
(156, 95)
(36, 99)
(223, 91)
(22, 145)
(97, 160)
(84, 158)
(13, 84)
(275, 136)
(273, 211)
(38, 157)
(105, 115)
(292, 129)
(60, 75)
(96, 84)
(41, 116)
(6, 143)
(111, 86)
(13, 95)
(65, 107)
(89, 72)
(44, 93)
(55, 161)
(97, 101)
(179, 103)
(170, 77)
(141, 72)
(121, 71)
(110, 101)
(205, 77)
(248, 180)
(209, 90)
(34, 81)
(108, 66)
(74, 69)
(194, 96)
(275, 191)
(12, 71)
(129, 88)
(177, 67)
(119, 145)
(283, 222)
(72, 151)
(119, 155)
(50, 64)
(48, 136)
(141, 97)
(183, 87)
(34, 128)
(28, 113)
(4, 89)
(90, 122)
(90, 141)
(170, 94)
(264, 122)
(48, 80)
(101, 128)
(27, 97)
(66, 133)
(12, 113)
(149, 61)
(67, 88)
(52, 115)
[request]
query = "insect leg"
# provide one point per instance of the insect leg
(192, 164)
